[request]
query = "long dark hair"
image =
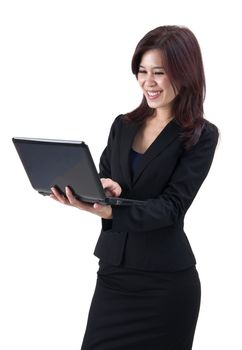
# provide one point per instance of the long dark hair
(183, 64)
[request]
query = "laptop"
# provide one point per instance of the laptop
(63, 163)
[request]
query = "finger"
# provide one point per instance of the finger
(75, 202)
(106, 182)
(111, 187)
(98, 206)
(109, 193)
(59, 197)
(52, 196)
(102, 210)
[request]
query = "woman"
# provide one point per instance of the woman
(148, 290)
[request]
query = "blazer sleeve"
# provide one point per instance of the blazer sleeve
(104, 164)
(170, 206)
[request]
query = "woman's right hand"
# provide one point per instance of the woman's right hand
(111, 188)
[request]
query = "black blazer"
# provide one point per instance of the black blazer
(151, 237)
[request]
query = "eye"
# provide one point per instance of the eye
(159, 73)
(141, 71)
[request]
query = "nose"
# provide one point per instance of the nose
(150, 81)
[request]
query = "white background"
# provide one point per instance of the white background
(65, 73)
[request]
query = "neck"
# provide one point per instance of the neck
(162, 116)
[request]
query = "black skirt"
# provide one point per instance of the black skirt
(133, 309)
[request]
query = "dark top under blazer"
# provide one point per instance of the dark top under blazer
(168, 177)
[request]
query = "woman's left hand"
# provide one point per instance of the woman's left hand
(104, 211)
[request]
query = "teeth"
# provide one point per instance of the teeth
(154, 93)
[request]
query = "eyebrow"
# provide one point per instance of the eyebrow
(156, 67)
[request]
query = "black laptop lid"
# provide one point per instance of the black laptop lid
(59, 163)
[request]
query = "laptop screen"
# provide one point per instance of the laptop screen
(60, 163)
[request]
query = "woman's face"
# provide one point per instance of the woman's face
(154, 81)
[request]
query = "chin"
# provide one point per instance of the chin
(153, 104)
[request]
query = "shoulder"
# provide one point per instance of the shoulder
(115, 126)
(117, 121)
(122, 119)
(207, 141)
(210, 128)
(121, 122)
(210, 133)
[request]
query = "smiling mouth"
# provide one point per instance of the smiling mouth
(153, 94)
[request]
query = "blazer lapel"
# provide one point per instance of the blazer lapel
(128, 133)
(167, 135)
